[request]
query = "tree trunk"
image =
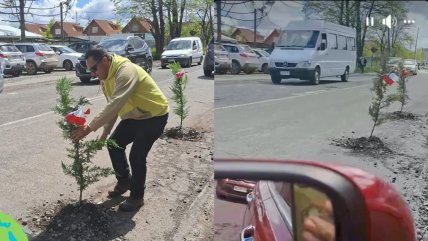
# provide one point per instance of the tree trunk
(22, 19)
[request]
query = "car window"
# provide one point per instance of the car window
(25, 48)
(246, 49)
(72, 46)
(44, 47)
(9, 48)
(219, 48)
(66, 49)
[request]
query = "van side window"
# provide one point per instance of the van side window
(341, 42)
(332, 41)
(351, 43)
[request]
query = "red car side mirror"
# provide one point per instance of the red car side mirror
(350, 203)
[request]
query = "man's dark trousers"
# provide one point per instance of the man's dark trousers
(142, 134)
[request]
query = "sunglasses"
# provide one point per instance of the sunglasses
(93, 69)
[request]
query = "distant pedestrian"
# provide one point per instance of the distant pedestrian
(362, 62)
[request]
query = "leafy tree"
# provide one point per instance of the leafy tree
(82, 151)
(177, 87)
(48, 32)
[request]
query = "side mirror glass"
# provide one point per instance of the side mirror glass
(313, 212)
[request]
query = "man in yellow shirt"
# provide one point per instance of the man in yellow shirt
(133, 96)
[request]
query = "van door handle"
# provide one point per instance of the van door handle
(247, 234)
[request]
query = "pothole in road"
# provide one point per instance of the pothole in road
(185, 133)
(372, 146)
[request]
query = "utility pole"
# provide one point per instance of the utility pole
(62, 19)
(416, 44)
(218, 5)
(22, 19)
(255, 27)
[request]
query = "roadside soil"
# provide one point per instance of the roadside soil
(400, 145)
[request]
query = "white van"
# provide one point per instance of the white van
(185, 51)
(313, 49)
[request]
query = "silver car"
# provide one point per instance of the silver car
(223, 62)
(12, 59)
(39, 57)
(243, 58)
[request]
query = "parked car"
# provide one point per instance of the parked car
(38, 57)
(82, 47)
(132, 47)
(411, 65)
(222, 63)
(216, 59)
(393, 63)
(315, 200)
(184, 51)
(234, 189)
(263, 59)
(243, 58)
(12, 59)
(2, 66)
(67, 57)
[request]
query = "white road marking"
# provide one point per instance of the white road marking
(289, 97)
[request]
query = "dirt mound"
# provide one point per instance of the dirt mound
(372, 146)
(401, 115)
(74, 222)
(187, 134)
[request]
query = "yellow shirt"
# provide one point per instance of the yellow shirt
(131, 94)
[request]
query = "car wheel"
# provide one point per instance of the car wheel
(17, 73)
(68, 65)
(207, 72)
(31, 68)
(85, 79)
(236, 68)
(316, 77)
(345, 76)
(189, 63)
(200, 61)
(149, 66)
(163, 66)
(265, 69)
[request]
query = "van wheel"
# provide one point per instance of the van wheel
(345, 76)
(31, 68)
(316, 77)
(200, 61)
(163, 66)
(236, 68)
(275, 79)
(189, 63)
(17, 73)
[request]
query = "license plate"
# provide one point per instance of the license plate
(240, 189)
(284, 72)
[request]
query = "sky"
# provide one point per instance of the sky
(86, 10)
(282, 12)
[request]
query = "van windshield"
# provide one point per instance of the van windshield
(179, 44)
(298, 38)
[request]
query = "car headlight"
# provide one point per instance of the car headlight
(163, 56)
(183, 55)
(271, 64)
(304, 64)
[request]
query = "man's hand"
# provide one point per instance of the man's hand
(80, 133)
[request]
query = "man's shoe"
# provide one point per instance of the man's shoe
(131, 204)
(118, 190)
